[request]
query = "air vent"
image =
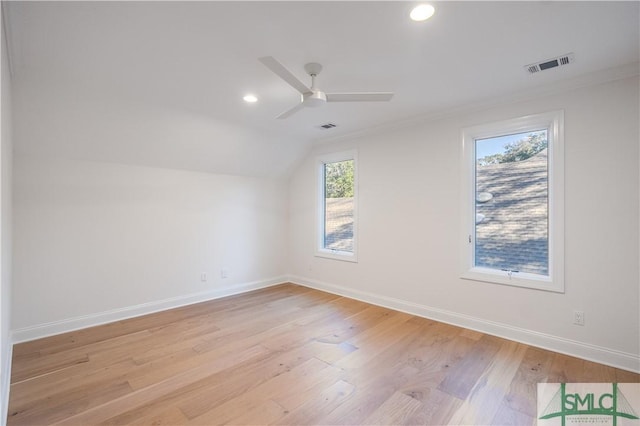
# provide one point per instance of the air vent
(328, 126)
(550, 63)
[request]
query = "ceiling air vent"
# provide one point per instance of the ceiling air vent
(550, 63)
(328, 126)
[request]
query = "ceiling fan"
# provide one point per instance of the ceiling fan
(312, 96)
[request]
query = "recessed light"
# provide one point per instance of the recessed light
(422, 12)
(250, 99)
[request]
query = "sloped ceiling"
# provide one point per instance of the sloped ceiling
(161, 83)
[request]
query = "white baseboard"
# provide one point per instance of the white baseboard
(63, 326)
(613, 358)
(6, 384)
(618, 359)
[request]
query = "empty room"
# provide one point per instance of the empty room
(320, 212)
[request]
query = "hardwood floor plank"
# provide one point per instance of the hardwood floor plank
(284, 355)
(523, 389)
(330, 352)
(471, 334)
(69, 404)
(487, 394)
(46, 365)
(169, 417)
(385, 334)
(165, 367)
(565, 369)
(312, 390)
(287, 385)
(597, 373)
(317, 403)
(382, 331)
(396, 410)
(370, 393)
(328, 328)
(508, 416)
(141, 396)
(464, 375)
(622, 376)
(214, 390)
(277, 331)
(438, 407)
(268, 413)
(434, 348)
(27, 395)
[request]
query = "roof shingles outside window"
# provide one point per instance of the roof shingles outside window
(513, 235)
(339, 224)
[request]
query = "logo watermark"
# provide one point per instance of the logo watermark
(593, 404)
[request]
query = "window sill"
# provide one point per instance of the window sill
(517, 279)
(344, 256)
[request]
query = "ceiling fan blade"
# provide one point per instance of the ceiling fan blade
(359, 97)
(279, 69)
(291, 111)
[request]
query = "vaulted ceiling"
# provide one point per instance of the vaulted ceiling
(161, 83)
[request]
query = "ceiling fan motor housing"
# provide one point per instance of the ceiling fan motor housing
(314, 99)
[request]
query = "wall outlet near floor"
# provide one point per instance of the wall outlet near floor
(578, 317)
(224, 273)
(203, 277)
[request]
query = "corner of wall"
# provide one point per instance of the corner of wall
(6, 160)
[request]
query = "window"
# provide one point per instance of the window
(513, 202)
(337, 196)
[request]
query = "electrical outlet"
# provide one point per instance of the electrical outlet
(224, 273)
(578, 317)
(203, 277)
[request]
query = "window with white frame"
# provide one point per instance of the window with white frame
(337, 201)
(513, 202)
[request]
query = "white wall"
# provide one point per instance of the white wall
(5, 231)
(98, 241)
(409, 241)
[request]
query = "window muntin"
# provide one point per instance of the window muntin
(513, 202)
(337, 206)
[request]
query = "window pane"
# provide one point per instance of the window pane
(512, 208)
(338, 206)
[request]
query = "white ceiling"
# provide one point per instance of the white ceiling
(161, 83)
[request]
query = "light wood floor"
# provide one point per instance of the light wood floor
(285, 355)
